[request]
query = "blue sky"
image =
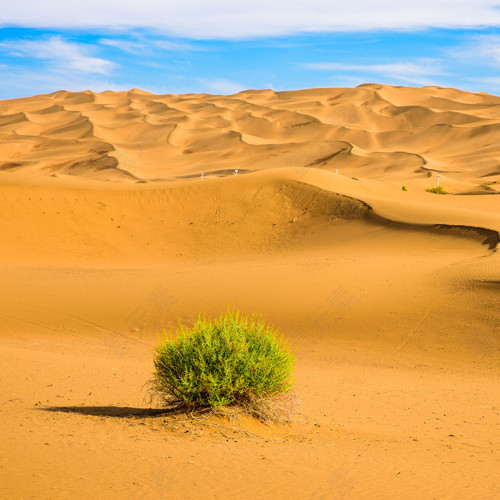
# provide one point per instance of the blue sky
(223, 47)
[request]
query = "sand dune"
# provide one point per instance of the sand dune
(390, 297)
(151, 137)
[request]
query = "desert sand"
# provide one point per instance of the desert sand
(390, 298)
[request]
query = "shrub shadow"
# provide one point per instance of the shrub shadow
(115, 411)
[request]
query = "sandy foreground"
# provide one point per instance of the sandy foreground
(390, 298)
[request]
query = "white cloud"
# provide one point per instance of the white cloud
(130, 47)
(489, 46)
(22, 82)
(174, 46)
(417, 73)
(346, 81)
(62, 54)
(147, 46)
(492, 80)
(489, 84)
(220, 86)
(484, 48)
(219, 19)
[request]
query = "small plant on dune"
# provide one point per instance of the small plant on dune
(230, 362)
(404, 188)
(437, 190)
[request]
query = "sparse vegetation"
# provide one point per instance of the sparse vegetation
(437, 190)
(492, 182)
(230, 362)
(404, 188)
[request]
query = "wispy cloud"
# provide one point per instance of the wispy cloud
(175, 46)
(418, 73)
(495, 80)
(148, 46)
(19, 82)
(135, 48)
(484, 48)
(489, 46)
(61, 53)
(220, 86)
(51, 63)
(479, 84)
(223, 19)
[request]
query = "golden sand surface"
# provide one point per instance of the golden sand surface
(390, 298)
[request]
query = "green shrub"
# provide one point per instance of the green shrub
(437, 190)
(229, 361)
(404, 188)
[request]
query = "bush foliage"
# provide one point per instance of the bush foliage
(437, 190)
(232, 360)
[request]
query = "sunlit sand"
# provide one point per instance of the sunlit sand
(110, 235)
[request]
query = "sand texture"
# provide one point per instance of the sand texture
(390, 298)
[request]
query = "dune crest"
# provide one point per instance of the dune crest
(372, 131)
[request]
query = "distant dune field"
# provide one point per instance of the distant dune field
(110, 235)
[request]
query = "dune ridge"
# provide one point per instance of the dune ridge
(372, 131)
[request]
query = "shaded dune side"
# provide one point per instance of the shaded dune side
(223, 218)
(371, 131)
(333, 206)
(487, 237)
